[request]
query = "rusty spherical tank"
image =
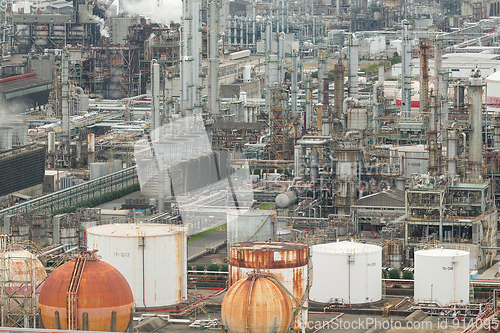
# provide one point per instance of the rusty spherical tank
(102, 290)
(258, 305)
(287, 261)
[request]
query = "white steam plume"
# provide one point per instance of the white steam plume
(162, 11)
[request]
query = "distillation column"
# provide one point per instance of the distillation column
(475, 119)
(155, 100)
(406, 71)
(433, 166)
(294, 87)
(353, 68)
(214, 59)
(65, 102)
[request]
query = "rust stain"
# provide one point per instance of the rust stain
(102, 290)
(268, 255)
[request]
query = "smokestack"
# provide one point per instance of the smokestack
(338, 81)
(321, 68)
(155, 99)
(475, 117)
(65, 101)
(353, 67)
(424, 77)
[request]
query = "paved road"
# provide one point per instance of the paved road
(200, 245)
(490, 272)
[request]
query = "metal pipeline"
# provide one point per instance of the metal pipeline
(349, 100)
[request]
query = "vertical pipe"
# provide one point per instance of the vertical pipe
(65, 101)
(451, 152)
(281, 47)
(214, 59)
(338, 81)
(476, 108)
(308, 104)
(326, 106)
(294, 87)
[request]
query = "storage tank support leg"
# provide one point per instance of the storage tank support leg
(57, 321)
(112, 328)
(131, 322)
(85, 321)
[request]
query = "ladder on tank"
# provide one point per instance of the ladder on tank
(72, 293)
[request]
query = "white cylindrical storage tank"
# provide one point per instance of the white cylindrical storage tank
(152, 257)
(285, 199)
(247, 73)
(250, 225)
(287, 261)
(442, 275)
(5, 138)
(493, 88)
(347, 272)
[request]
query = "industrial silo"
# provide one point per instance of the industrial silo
(442, 276)
(357, 119)
(346, 272)
(256, 304)
(288, 262)
(152, 257)
(250, 225)
(102, 300)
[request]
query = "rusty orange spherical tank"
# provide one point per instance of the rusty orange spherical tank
(257, 305)
(102, 290)
(288, 262)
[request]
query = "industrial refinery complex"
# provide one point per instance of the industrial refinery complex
(263, 166)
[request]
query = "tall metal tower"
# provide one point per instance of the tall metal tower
(191, 57)
(405, 71)
(213, 87)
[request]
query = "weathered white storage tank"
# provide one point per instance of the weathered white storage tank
(253, 225)
(285, 199)
(152, 257)
(493, 86)
(442, 275)
(357, 119)
(346, 272)
(288, 262)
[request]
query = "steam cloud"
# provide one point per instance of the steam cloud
(162, 11)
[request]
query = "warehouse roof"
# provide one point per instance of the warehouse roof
(25, 84)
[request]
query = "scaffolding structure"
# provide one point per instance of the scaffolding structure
(20, 277)
(279, 147)
(113, 70)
